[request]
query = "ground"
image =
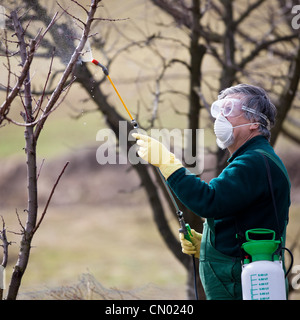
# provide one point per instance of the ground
(99, 226)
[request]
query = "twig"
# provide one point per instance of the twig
(81, 6)
(50, 197)
(38, 175)
(20, 222)
(8, 64)
(155, 102)
(110, 20)
(71, 15)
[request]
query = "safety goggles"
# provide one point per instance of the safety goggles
(232, 108)
(228, 107)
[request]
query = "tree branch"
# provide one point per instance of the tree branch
(247, 12)
(263, 46)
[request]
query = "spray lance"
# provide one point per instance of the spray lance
(184, 227)
(105, 71)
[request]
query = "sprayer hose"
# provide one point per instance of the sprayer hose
(292, 260)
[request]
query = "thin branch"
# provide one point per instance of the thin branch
(8, 64)
(20, 222)
(263, 46)
(52, 22)
(247, 12)
(71, 15)
(49, 199)
(38, 175)
(155, 102)
(110, 19)
(81, 6)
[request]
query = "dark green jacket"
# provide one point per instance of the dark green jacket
(240, 193)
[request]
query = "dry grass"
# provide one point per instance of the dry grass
(88, 288)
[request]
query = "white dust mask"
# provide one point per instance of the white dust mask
(224, 131)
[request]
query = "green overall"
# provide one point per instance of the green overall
(239, 195)
(220, 274)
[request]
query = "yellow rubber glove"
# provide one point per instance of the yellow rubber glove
(154, 152)
(189, 247)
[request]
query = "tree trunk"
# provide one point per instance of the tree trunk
(31, 137)
(30, 150)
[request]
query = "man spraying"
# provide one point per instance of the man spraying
(238, 199)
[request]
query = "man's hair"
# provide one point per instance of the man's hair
(257, 99)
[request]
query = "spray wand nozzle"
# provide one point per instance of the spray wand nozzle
(97, 63)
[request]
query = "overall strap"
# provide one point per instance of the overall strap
(240, 235)
(272, 193)
(277, 162)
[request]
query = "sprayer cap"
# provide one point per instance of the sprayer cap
(258, 248)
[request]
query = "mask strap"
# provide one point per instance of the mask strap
(248, 124)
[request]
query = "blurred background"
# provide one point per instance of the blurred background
(169, 60)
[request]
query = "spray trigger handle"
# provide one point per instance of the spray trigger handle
(188, 232)
(185, 228)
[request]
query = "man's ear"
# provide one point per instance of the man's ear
(254, 126)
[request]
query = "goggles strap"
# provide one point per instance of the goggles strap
(256, 112)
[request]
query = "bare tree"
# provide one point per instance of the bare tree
(34, 119)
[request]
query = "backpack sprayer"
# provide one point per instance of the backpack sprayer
(184, 227)
(263, 278)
